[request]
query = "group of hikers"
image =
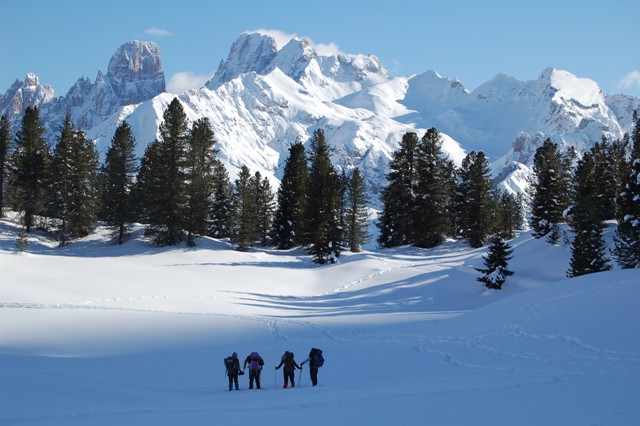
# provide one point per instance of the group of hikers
(255, 363)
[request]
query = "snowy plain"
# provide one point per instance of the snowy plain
(96, 334)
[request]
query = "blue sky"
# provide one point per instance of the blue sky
(473, 41)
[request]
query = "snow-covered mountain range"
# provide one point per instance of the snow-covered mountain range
(268, 94)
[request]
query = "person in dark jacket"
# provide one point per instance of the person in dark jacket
(255, 362)
(232, 363)
(289, 369)
(314, 364)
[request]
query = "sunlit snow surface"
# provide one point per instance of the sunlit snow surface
(94, 334)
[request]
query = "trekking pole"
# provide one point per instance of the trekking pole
(300, 378)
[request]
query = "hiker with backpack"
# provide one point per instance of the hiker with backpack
(315, 361)
(289, 369)
(232, 363)
(255, 362)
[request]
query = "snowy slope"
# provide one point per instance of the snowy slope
(94, 334)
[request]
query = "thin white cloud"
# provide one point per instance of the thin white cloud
(186, 80)
(330, 49)
(630, 81)
(280, 37)
(158, 32)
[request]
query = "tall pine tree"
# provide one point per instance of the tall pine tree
(396, 221)
(433, 192)
(322, 216)
(288, 224)
(265, 206)
(200, 168)
(588, 250)
(627, 239)
(245, 232)
(5, 140)
(74, 173)
(550, 189)
(118, 176)
(357, 215)
(473, 199)
(220, 220)
(168, 205)
(30, 160)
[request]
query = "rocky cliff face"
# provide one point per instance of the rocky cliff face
(135, 72)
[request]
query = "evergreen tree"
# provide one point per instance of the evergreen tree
(323, 221)
(605, 178)
(398, 197)
(508, 214)
(496, 262)
(473, 201)
(118, 176)
(357, 215)
(29, 167)
(74, 172)
(168, 208)
(587, 221)
(220, 222)
(550, 189)
(621, 170)
(432, 192)
(245, 231)
(288, 224)
(265, 205)
(5, 139)
(200, 166)
(343, 207)
(627, 239)
(148, 185)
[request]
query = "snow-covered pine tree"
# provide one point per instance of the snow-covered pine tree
(167, 208)
(473, 198)
(588, 250)
(30, 164)
(357, 215)
(323, 203)
(496, 263)
(433, 192)
(200, 164)
(5, 139)
(550, 189)
(627, 239)
(398, 197)
(117, 180)
(288, 223)
(73, 182)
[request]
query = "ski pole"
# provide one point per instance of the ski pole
(300, 378)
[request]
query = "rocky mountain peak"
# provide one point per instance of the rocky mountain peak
(23, 94)
(135, 72)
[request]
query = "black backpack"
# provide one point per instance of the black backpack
(317, 360)
(230, 364)
(288, 359)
